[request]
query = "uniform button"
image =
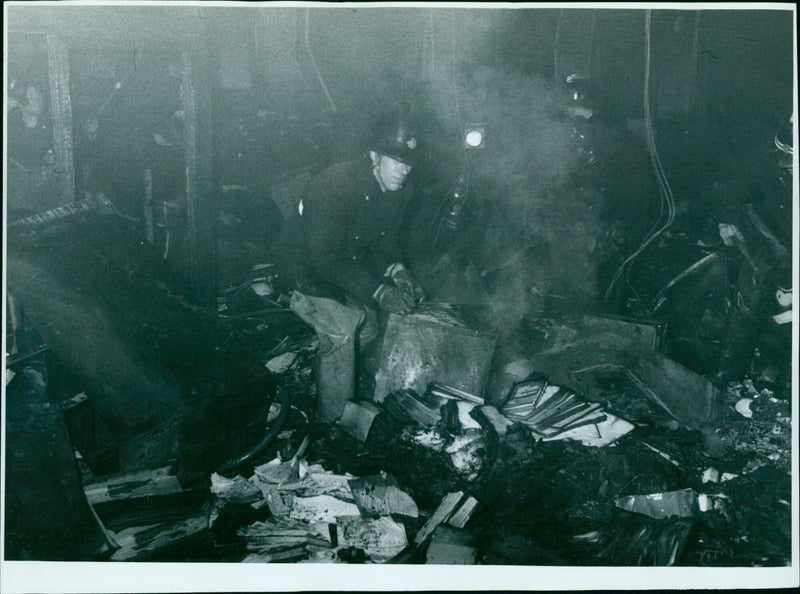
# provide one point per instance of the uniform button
(366, 197)
(383, 233)
(354, 257)
(357, 237)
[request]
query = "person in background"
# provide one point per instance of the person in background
(30, 137)
(615, 167)
(341, 249)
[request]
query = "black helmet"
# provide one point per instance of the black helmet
(394, 137)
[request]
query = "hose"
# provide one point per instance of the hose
(271, 434)
(696, 266)
(663, 185)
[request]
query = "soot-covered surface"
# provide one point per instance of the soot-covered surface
(551, 503)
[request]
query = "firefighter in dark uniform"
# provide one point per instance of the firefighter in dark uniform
(342, 248)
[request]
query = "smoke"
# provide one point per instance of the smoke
(537, 231)
(526, 141)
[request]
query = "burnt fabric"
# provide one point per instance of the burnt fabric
(347, 235)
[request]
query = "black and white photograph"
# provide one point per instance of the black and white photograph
(297, 293)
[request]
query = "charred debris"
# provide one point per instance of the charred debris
(602, 375)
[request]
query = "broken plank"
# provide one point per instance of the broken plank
(545, 394)
(142, 541)
(552, 396)
(442, 514)
(461, 516)
(450, 546)
(131, 485)
(554, 404)
(560, 412)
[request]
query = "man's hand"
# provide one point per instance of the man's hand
(394, 299)
(406, 281)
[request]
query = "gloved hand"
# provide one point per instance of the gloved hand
(394, 299)
(406, 281)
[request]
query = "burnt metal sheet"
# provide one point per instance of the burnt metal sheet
(686, 396)
(425, 347)
(648, 334)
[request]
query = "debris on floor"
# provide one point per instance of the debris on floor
(764, 433)
(550, 410)
(450, 546)
(598, 450)
(141, 542)
(356, 420)
(380, 495)
(443, 513)
(282, 540)
(549, 478)
(680, 503)
(317, 514)
(380, 538)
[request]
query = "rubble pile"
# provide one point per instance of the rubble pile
(549, 476)
(318, 516)
(762, 432)
(592, 451)
(656, 494)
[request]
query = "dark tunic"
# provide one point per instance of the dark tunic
(348, 234)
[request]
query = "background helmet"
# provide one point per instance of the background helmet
(394, 137)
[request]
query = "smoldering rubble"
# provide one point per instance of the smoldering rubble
(600, 374)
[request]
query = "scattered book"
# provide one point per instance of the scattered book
(404, 405)
(550, 410)
(437, 390)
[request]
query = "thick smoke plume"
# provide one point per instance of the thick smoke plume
(537, 230)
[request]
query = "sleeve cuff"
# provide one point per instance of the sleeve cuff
(381, 288)
(394, 269)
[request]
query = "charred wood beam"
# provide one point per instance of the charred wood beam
(201, 219)
(58, 68)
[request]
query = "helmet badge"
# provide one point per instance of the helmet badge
(411, 143)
